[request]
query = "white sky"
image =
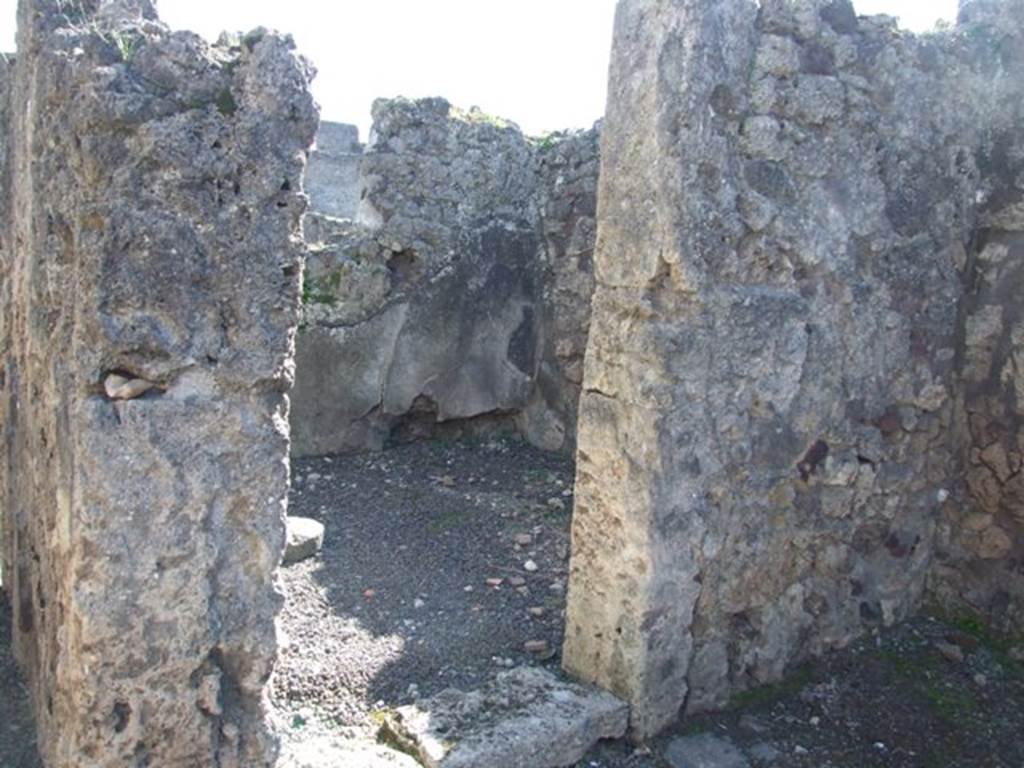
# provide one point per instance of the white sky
(540, 63)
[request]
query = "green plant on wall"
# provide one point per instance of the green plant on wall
(547, 140)
(226, 103)
(322, 290)
(478, 116)
(126, 44)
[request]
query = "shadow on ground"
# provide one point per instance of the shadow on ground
(17, 729)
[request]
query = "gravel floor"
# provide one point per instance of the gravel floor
(441, 561)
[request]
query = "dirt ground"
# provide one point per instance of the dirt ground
(435, 555)
(930, 693)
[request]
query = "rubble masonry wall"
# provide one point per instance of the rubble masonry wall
(151, 265)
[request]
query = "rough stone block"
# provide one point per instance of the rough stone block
(305, 539)
(332, 179)
(525, 718)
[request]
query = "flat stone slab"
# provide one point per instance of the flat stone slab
(704, 751)
(305, 539)
(525, 718)
(324, 752)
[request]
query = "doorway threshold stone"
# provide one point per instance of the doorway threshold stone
(327, 752)
(524, 718)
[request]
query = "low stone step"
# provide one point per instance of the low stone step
(325, 752)
(524, 718)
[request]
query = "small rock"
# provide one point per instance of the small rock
(120, 387)
(753, 725)
(305, 539)
(523, 539)
(517, 581)
(815, 721)
(1017, 653)
(529, 566)
(537, 611)
(418, 603)
(495, 582)
(764, 753)
(468, 588)
(556, 503)
(980, 680)
(798, 750)
(536, 646)
(704, 751)
(950, 652)
(447, 481)
(369, 594)
(962, 639)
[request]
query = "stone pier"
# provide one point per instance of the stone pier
(152, 263)
(790, 295)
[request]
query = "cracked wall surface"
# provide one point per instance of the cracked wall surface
(152, 266)
(794, 205)
(457, 301)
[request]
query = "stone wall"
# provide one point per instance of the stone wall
(6, 83)
(568, 166)
(767, 442)
(981, 547)
(152, 266)
(455, 304)
(332, 179)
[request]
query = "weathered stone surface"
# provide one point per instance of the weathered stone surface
(460, 299)
(766, 429)
(305, 538)
(526, 718)
(568, 168)
(326, 752)
(704, 751)
(982, 543)
(151, 232)
(332, 179)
